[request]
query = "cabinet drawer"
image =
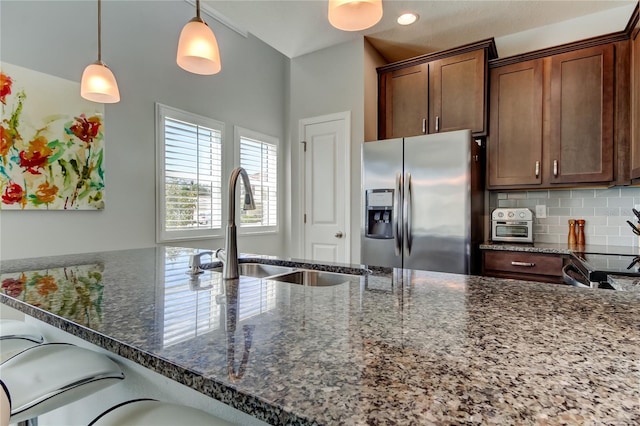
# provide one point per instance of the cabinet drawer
(523, 263)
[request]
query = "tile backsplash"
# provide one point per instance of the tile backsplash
(605, 212)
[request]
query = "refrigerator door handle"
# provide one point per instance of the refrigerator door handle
(397, 230)
(408, 201)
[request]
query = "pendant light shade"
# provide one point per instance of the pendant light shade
(198, 48)
(354, 15)
(98, 82)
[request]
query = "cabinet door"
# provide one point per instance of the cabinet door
(635, 104)
(403, 102)
(515, 137)
(581, 116)
(457, 89)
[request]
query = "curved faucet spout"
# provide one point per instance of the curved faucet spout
(248, 194)
(229, 256)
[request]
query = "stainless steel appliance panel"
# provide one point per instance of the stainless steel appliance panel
(382, 166)
(437, 202)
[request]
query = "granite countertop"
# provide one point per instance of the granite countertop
(402, 347)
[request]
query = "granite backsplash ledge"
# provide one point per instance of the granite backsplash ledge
(604, 210)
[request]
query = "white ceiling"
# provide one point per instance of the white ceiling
(298, 27)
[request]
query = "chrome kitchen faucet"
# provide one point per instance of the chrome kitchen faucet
(229, 255)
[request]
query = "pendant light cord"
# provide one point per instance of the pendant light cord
(198, 9)
(99, 31)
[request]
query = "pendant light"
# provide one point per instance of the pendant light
(98, 82)
(198, 48)
(354, 15)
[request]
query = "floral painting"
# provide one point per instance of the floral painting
(73, 292)
(51, 144)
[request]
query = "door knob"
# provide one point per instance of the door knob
(339, 234)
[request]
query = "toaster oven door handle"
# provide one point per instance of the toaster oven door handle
(526, 264)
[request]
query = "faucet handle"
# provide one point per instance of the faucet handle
(195, 262)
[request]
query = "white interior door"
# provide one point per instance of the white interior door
(326, 189)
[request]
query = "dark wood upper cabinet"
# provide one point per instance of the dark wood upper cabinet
(437, 92)
(514, 148)
(552, 120)
(457, 93)
(404, 101)
(635, 103)
(581, 116)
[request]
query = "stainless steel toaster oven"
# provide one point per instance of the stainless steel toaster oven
(512, 225)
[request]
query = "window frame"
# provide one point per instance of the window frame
(240, 132)
(162, 235)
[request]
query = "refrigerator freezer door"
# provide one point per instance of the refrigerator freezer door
(382, 170)
(437, 173)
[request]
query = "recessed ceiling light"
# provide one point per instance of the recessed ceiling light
(407, 18)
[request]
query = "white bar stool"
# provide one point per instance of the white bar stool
(48, 376)
(5, 405)
(143, 412)
(16, 336)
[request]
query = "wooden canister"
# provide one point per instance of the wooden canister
(572, 238)
(580, 237)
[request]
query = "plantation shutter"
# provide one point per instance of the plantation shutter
(193, 176)
(260, 160)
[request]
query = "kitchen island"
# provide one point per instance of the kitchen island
(401, 346)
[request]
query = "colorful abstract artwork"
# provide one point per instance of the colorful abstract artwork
(73, 292)
(51, 144)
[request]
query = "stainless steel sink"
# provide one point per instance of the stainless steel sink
(292, 275)
(315, 278)
(258, 270)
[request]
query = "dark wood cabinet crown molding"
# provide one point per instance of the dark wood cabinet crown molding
(568, 47)
(633, 21)
(488, 44)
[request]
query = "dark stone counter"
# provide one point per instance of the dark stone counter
(404, 347)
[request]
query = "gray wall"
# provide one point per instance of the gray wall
(139, 44)
(325, 82)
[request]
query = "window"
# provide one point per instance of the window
(258, 155)
(189, 165)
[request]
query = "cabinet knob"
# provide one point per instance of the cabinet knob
(437, 123)
(424, 125)
(555, 168)
(537, 169)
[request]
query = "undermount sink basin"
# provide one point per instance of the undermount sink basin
(292, 275)
(258, 270)
(315, 278)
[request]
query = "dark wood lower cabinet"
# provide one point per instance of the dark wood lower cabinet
(540, 267)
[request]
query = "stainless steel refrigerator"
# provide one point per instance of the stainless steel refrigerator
(423, 202)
